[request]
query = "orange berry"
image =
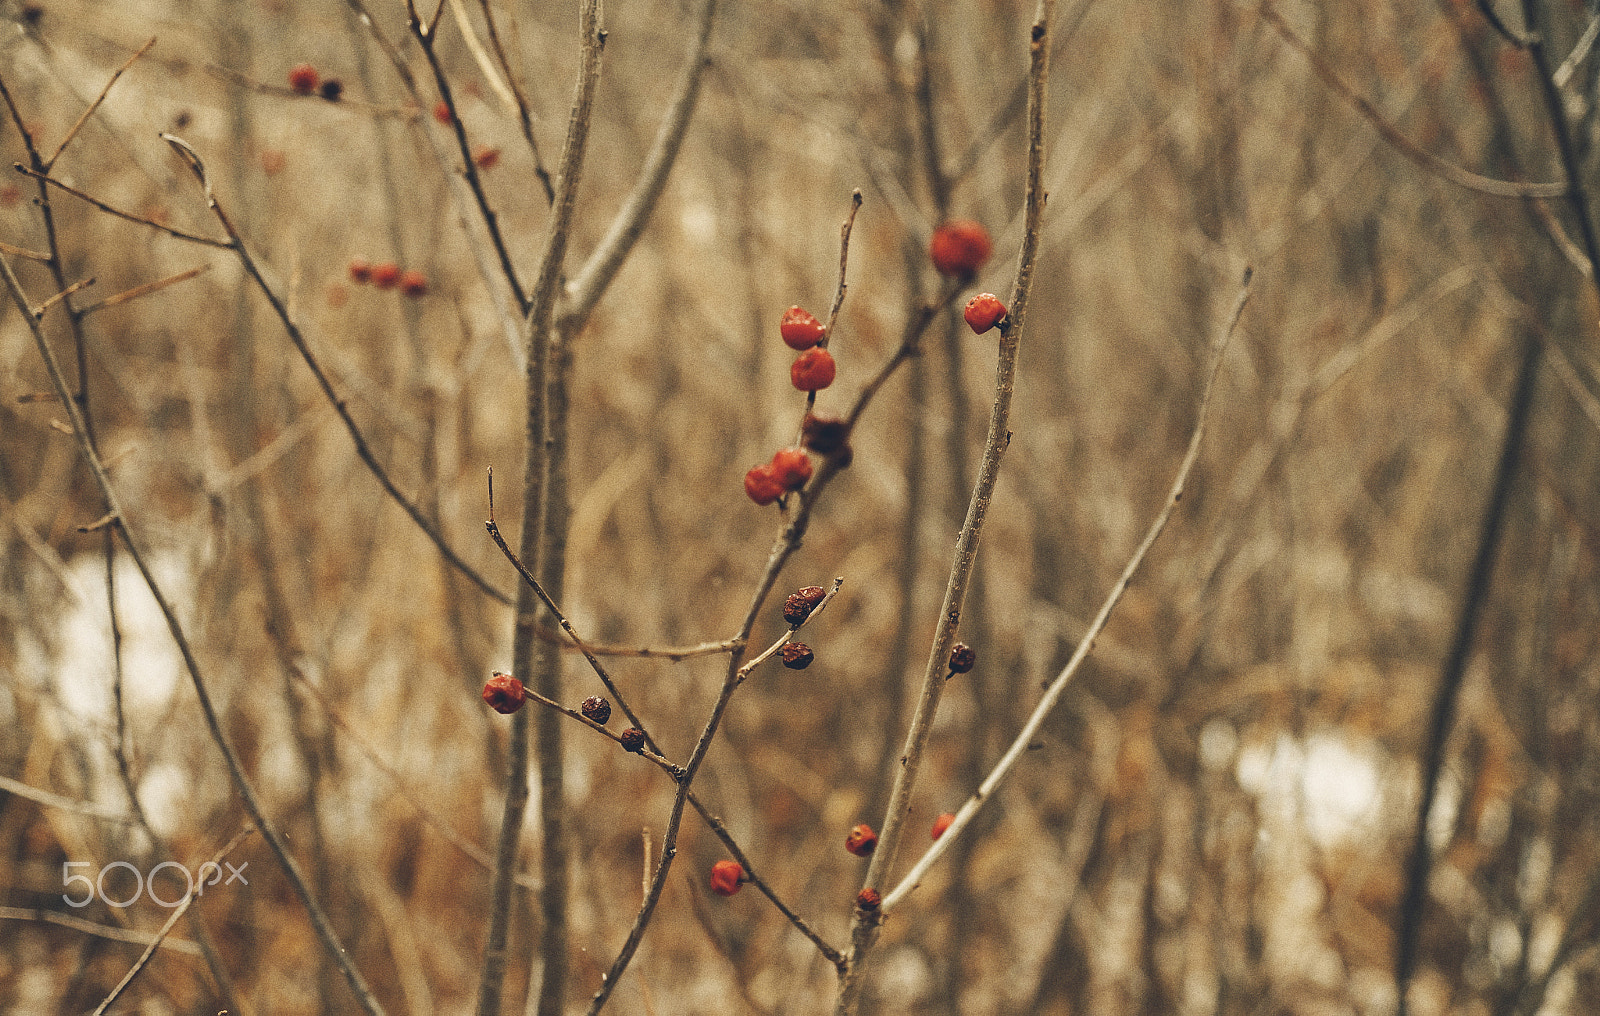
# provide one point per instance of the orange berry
(959, 248)
(763, 485)
(813, 370)
(360, 272)
(942, 823)
(413, 283)
(868, 899)
(303, 78)
(441, 113)
(504, 693)
(862, 841)
(984, 311)
(792, 467)
(385, 274)
(800, 330)
(727, 877)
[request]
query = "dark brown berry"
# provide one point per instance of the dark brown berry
(797, 655)
(633, 740)
(597, 709)
(800, 603)
(824, 434)
(332, 89)
(868, 899)
(962, 658)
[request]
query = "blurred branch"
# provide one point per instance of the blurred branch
(144, 290)
(99, 930)
(50, 800)
(87, 113)
(247, 795)
(172, 919)
(602, 267)
(1052, 695)
(1427, 160)
(363, 449)
(426, 39)
(1580, 52)
(524, 117)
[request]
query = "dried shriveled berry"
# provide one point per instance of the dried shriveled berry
(633, 740)
(332, 90)
(792, 467)
(441, 113)
(868, 899)
(813, 370)
(727, 877)
(798, 605)
(303, 78)
(862, 841)
(800, 330)
(824, 434)
(962, 658)
(797, 655)
(597, 709)
(504, 693)
(413, 282)
(942, 823)
(385, 274)
(763, 485)
(360, 272)
(959, 248)
(984, 311)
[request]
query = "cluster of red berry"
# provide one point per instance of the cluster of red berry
(304, 80)
(387, 275)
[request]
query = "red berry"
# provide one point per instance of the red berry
(959, 248)
(486, 157)
(868, 899)
(792, 467)
(984, 311)
(800, 330)
(441, 113)
(813, 370)
(360, 272)
(862, 841)
(504, 693)
(727, 877)
(763, 485)
(413, 283)
(942, 823)
(385, 274)
(303, 78)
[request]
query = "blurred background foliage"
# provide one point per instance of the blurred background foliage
(1216, 818)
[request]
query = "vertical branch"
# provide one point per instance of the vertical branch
(537, 334)
(866, 924)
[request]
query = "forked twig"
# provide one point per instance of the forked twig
(72, 132)
(1052, 695)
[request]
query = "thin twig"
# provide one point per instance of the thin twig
(144, 290)
(247, 794)
(524, 116)
(866, 924)
(1580, 52)
(1410, 149)
(39, 311)
(50, 800)
(23, 252)
(844, 263)
(119, 213)
(1052, 695)
(181, 945)
(363, 449)
(87, 113)
(177, 912)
